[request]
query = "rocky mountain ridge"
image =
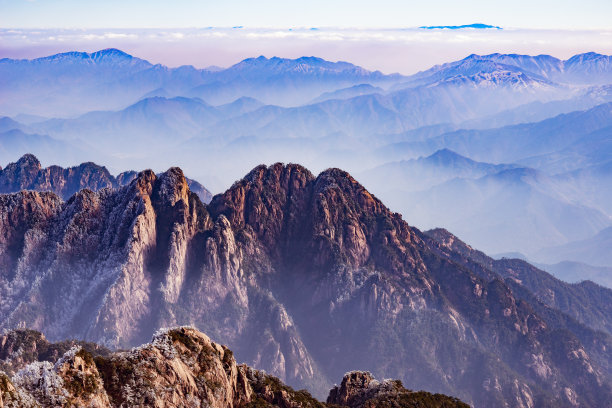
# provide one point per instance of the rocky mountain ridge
(584, 301)
(587, 68)
(181, 367)
(306, 277)
(28, 174)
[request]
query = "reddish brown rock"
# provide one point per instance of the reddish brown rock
(306, 277)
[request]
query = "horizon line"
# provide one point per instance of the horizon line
(429, 28)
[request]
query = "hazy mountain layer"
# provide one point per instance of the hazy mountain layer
(574, 272)
(519, 142)
(593, 250)
(306, 277)
(425, 172)
(575, 146)
(495, 207)
(15, 143)
(76, 82)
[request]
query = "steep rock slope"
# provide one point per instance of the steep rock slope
(182, 367)
(306, 277)
(587, 302)
(179, 368)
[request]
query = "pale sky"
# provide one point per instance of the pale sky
(560, 14)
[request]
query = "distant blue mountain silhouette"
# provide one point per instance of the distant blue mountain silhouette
(451, 27)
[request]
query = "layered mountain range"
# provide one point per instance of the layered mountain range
(546, 121)
(116, 77)
(305, 277)
(501, 207)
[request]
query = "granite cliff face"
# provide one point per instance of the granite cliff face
(305, 277)
(28, 174)
(180, 367)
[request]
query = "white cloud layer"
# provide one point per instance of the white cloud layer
(389, 50)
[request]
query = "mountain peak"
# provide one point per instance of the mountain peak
(260, 198)
(173, 186)
(472, 57)
(163, 103)
(111, 54)
(28, 160)
(588, 56)
(311, 60)
(276, 172)
(478, 26)
(114, 52)
(446, 154)
(591, 62)
(109, 57)
(493, 69)
(303, 66)
(21, 175)
(447, 157)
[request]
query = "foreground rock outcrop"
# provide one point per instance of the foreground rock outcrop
(181, 367)
(360, 390)
(19, 348)
(305, 277)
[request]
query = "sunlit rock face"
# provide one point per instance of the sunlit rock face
(180, 367)
(305, 277)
